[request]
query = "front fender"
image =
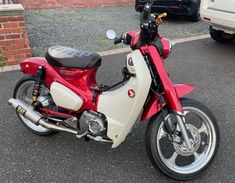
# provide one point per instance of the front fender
(153, 105)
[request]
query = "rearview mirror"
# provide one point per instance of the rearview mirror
(111, 34)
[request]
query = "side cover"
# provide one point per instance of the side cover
(64, 97)
(123, 106)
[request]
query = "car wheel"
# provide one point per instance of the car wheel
(221, 36)
(195, 17)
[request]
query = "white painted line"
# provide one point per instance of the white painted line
(118, 51)
(194, 38)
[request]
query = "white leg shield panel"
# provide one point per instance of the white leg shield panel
(123, 106)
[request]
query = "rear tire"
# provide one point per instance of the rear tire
(22, 87)
(221, 36)
(169, 165)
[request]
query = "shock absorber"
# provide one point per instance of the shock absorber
(37, 85)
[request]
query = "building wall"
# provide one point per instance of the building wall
(14, 44)
(45, 4)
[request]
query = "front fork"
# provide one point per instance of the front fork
(182, 127)
(171, 95)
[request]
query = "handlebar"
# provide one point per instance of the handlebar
(118, 40)
(149, 27)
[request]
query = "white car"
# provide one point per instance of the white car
(220, 14)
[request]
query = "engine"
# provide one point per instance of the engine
(93, 122)
(45, 101)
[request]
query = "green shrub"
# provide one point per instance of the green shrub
(1, 59)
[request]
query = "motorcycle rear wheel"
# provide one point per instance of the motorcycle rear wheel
(23, 92)
(174, 159)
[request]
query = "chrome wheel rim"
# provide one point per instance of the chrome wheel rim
(199, 160)
(24, 94)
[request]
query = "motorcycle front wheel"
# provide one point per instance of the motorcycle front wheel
(174, 158)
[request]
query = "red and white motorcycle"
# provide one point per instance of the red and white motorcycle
(60, 93)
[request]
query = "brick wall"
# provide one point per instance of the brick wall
(14, 44)
(44, 4)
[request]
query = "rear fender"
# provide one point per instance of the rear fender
(30, 66)
(153, 106)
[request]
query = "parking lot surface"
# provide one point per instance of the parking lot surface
(84, 28)
(25, 157)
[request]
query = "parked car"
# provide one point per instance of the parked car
(190, 8)
(221, 17)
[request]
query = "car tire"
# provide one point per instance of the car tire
(221, 36)
(195, 17)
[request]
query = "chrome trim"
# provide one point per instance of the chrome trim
(178, 113)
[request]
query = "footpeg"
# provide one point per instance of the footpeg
(71, 122)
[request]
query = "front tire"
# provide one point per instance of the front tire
(173, 158)
(221, 36)
(23, 92)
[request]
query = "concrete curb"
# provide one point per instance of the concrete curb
(118, 51)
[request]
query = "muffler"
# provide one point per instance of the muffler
(29, 113)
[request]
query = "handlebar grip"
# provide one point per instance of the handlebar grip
(118, 40)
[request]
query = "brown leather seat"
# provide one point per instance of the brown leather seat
(68, 57)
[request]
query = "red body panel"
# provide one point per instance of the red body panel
(171, 95)
(135, 37)
(166, 47)
(79, 81)
(153, 106)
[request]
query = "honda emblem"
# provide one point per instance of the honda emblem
(131, 93)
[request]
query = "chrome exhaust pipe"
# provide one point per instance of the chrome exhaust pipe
(36, 118)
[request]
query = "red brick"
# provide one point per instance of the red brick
(25, 51)
(2, 37)
(12, 36)
(8, 63)
(3, 48)
(6, 42)
(5, 31)
(9, 53)
(11, 57)
(18, 30)
(19, 41)
(22, 35)
(16, 47)
(21, 24)
(19, 57)
(26, 46)
(10, 25)
(5, 58)
(28, 55)
(11, 19)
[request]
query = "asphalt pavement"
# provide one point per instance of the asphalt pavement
(25, 157)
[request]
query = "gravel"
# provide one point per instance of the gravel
(85, 28)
